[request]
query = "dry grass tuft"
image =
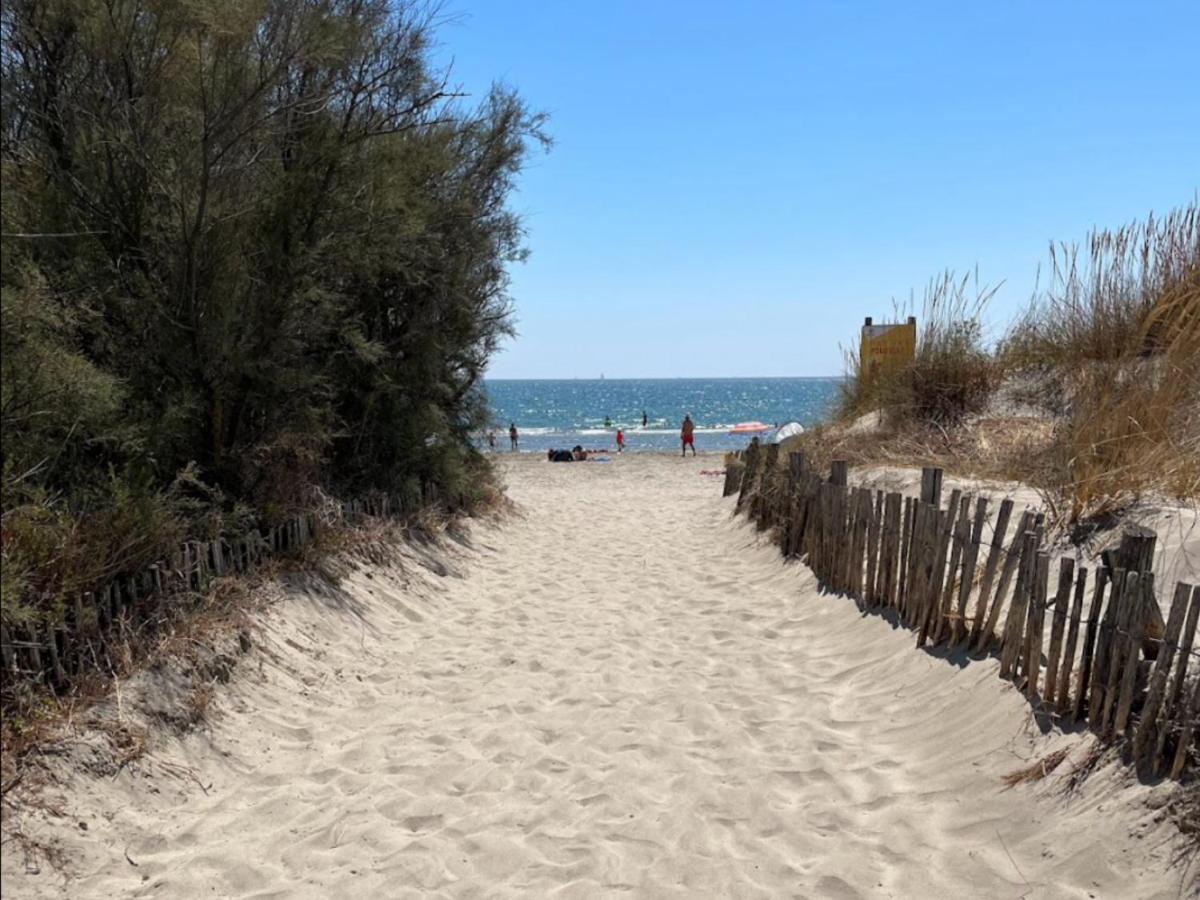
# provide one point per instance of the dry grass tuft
(1127, 293)
(1037, 770)
(1099, 379)
(952, 375)
(1085, 767)
(1114, 344)
(199, 701)
(1184, 810)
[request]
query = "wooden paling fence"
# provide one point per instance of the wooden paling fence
(1085, 649)
(58, 652)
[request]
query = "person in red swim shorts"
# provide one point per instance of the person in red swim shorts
(620, 441)
(688, 434)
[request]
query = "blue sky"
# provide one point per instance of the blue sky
(735, 185)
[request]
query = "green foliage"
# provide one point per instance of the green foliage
(249, 251)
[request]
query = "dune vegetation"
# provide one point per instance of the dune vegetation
(1092, 394)
(252, 256)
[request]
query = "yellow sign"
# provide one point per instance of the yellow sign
(887, 346)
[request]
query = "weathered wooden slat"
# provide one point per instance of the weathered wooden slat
(1036, 626)
(924, 547)
(967, 579)
(833, 532)
(1012, 560)
(788, 545)
(1014, 624)
(839, 472)
(1162, 668)
(1136, 554)
(820, 523)
(801, 523)
(874, 543)
(1087, 669)
(893, 509)
(820, 529)
(866, 515)
(1062, 599)
(733, 479)
(939, 523)
(816, 524)
(916, 559)
(858, 543)
(1187, 726)
(796, 465)
(939, 549)
(851, 547)
(856, 533)
(1171, 702)
(843, 529)
(1062, 691)
(815, 527)
(764, 489)
(1117, 655)
(902, 574)
(931, 485)
(1141, 593)
(837, 531)
(837, 536)
(749, 474)
(943, 624)
(1101, 662)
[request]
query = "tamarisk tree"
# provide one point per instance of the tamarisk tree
(250, 249)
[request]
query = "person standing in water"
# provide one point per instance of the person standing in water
(644, 419)
(512, 434)
(687, 434)
(620, 441)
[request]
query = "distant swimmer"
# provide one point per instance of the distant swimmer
(688, 434)
(491, 439)
(620, 441)
(644, 419)
(512, 434)
(607, 422)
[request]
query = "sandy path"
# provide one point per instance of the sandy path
(623, 695)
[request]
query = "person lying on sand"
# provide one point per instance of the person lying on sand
(579, 453)
(560, 456)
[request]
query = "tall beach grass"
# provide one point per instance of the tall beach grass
(1108, 353)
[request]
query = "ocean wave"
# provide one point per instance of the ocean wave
(533, 432)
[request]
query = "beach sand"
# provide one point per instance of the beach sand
(619, 690)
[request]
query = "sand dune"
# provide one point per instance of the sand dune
(617, 692)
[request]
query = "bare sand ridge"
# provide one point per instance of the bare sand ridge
(619, 691)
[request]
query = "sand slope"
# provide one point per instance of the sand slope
(619, 692)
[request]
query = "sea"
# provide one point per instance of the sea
(554, 414)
